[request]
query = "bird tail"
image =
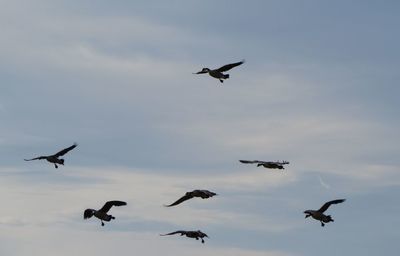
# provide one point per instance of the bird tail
(226, 76)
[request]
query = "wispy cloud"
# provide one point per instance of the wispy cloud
(323, 184)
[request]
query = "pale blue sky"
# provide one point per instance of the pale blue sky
(319, 88)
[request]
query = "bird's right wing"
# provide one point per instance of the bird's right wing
(327, 204)
(173, 233)
(107, 206)
(65, 150)
(180, 200)
(36, 158)
(230, 66)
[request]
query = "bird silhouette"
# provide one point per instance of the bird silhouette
(218, 73)
(195, 193)
(270, 164)
(319, 214)
(55, 158)
(102, 213)
(191, 234)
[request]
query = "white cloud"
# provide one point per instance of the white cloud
(145, 194)
(48, 241)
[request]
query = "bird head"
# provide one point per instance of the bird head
(203, 71)
(88, 213)
(307, 213)
(201, 234)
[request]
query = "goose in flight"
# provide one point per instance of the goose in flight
(218, 73)
(55, 158)
(191, 234)
(270, 165)
(195, 193)
(319, 214)
(102, 213)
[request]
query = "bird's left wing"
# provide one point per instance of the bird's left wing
(249, 161)
(180, 200)
(36, 158)
(107, 206)
(283, 162)
(65, 150)
(327, 204)
(173, 233)
(230, 66)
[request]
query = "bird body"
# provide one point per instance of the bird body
(191, 234)
(218, 73)
(54, 159)
(195, 193)
(269, 164)
(102, 213)
(319, 214)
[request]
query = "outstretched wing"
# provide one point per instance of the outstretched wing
(107, 206)
(327, 204)
(282, 163)
(180, 200)
(173, 233)
(250, 161)
(65, 150)
(230, 66)
(36, 158)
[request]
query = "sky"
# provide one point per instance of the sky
(319, 89)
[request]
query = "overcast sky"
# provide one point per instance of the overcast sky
(320, 89)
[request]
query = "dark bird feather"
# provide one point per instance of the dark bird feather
(230, 66)
(36, 158)
(65, 150)
(327, 204)
(195, 193)
(182, 232)
(107, 206)
(180, 200)
(250, 161)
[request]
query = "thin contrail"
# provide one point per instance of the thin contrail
(323, 183)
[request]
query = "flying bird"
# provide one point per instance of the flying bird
(218, 73)
(319, 214)
(195, 193)
(191, 234)
(270, 165)
(102, 213)
(55, 158)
